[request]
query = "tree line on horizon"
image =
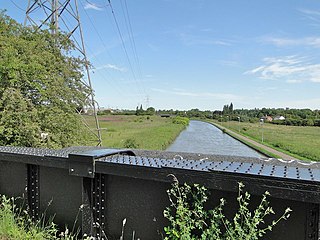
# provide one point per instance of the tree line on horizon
(293, 117)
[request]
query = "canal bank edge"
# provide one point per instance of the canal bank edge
(253, 144)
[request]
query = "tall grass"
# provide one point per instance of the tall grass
(302, 142)
(16, 224)
(144, 132)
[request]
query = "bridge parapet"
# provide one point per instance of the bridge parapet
(113, 184)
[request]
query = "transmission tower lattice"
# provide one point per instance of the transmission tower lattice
(63, 15)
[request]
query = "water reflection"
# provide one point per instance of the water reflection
(201, 137)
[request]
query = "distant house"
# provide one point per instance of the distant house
(267, 118)
(279, 118)
(165, 115)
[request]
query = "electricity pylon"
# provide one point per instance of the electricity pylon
(63, 15)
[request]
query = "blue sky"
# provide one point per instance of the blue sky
(183, 54)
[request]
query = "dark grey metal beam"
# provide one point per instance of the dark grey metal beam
(103, 182)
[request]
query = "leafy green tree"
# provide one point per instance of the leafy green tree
(139, 111)
(40, 87)
(231, 108)
(150, 111)
(18, 122)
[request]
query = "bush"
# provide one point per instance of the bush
(181, 120)
(189, 220)
(130, 143)
(104, 112)
(307, 122)
(317, 122)
(253, 120)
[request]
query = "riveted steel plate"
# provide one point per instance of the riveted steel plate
(256, 169)
(295, 170)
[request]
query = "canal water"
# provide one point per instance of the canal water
(205, 138)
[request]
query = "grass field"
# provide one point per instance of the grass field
(143, 132)
(303, 142)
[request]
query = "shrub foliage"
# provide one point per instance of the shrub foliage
(181, 120)
(40, 87)
(189, 220)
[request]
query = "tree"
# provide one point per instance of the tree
(18, 120)
(40, 87)
(225, 109)
(231, 108)
(139, 111)
(150, 111)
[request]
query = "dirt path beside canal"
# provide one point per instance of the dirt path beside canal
(259, 145)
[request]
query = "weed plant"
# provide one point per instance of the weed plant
(16, 224)
(190, 221)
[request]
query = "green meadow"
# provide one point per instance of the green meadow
(156, 133)
(302, 142)
(143, 132)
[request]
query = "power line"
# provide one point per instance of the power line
(91, 52)
(99, 6)
(132, 40)
(123, 44)
(101, 40)
(53, 11)
(17, 6)
(95, 29)
(118, 89)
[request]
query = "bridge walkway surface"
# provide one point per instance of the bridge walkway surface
(260, 145)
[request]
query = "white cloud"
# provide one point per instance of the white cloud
(306, 103)
(289, 42)
(92, 6)
(229, 63)
(293, 81)
(181, 92)
(311, 103)
(153, 47)
(310, 12)
(206, 30)
(292, 69)
(189, 40)
(111, 66)
(312, 15)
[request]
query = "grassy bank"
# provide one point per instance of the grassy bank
(302, 142)
(259, 149)
(144, 132)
